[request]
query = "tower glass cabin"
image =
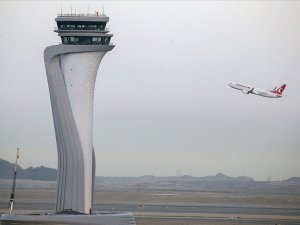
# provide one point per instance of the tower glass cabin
(80, 29)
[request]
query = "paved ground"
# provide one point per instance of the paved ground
(156, 207)
(184, 214)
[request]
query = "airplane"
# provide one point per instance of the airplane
(275, 93)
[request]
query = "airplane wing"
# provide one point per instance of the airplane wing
(248, 90)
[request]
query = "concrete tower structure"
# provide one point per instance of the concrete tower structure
(71, 69)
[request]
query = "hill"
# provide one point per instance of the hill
(49, 174)
(37, 173)
(293, 180)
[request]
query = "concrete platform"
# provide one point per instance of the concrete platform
(62, 219)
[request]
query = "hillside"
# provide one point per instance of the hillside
(218, 181)
(37, 173)
(293, 180)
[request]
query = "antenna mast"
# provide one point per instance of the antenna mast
(12, 196)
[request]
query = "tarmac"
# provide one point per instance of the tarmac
(184, 214)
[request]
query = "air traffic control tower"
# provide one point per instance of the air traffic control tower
(71, 69)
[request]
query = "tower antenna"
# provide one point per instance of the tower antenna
(12, 196)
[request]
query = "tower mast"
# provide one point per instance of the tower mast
(12, 196)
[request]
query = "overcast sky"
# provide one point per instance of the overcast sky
(162, 102)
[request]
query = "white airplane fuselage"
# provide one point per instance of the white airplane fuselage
(251, 90)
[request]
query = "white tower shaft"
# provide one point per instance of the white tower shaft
(71, 73)
(79, 71)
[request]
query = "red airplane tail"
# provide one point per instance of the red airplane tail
(279, 90)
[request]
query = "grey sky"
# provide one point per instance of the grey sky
(162, 102)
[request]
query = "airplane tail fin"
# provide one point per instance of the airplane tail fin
(279, 90)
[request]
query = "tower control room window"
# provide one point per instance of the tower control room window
(74, 40)
(80, 25)
(85, 40)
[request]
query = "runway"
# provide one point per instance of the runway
(192, 214)
(207, 214)
(213, 220)
(200, 209)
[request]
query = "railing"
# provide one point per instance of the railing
(80, 14)
(60, 43)
(83, 29)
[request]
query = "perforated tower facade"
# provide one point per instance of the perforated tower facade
(71, 69)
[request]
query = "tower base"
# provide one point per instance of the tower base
(66, 219)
